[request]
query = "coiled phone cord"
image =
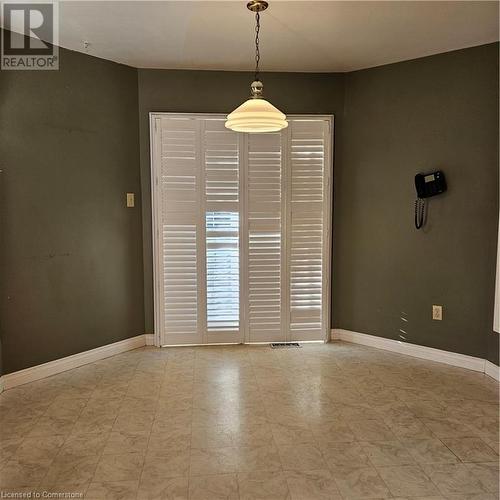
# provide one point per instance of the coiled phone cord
(419, 212)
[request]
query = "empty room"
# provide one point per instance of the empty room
(249, 250)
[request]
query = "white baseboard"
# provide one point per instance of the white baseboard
(418, 351)
(61, 365)
(492, 370)
(38, 372)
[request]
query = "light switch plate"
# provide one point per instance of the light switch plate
(130, 200)
(437, 313)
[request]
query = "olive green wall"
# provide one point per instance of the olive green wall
(72, 272)
(438, 112)
(71, 252)
(221, 92)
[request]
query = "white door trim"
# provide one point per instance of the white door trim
(327, 249)
(155, 218)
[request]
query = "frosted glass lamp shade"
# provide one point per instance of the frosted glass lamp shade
(256, 115)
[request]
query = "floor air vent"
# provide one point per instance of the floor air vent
(280, 345)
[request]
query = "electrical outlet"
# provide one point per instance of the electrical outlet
(437, 313)
(130, 200)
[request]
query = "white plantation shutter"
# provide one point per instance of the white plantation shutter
(222, 208)
(242, 231)
(306, 228)
(264, 219)
(179, 188)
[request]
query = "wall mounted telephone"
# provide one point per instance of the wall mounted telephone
(427, 185)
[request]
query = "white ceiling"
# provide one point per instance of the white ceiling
(295, 35)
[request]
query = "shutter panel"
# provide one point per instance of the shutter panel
(179, 191)
(306, 228)
(264, 192)
(222, 220)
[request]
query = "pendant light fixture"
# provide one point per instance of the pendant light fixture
(256, 114)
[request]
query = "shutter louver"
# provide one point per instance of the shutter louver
(307, 159)
(264, 237)
(180, 279)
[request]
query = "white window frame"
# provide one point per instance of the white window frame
(328, 214)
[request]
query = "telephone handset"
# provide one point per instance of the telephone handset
(427, 185)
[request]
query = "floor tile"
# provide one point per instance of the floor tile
(120, 442)
(263, 485)
(312, 485)
(488, 474)
(158, 488)
(448, 427)
(333, 431)
(122, 490)
(93, 423)
(410, 429)
(165, 464)
(407, 481)
(427, 408)
(133, 421)
(9, 446)
(359, 412)
(18, 473)
(429, 451)
(39, 448)
(371, 430)
(17, 428)
(454, 479)
(289, 434)
(258, 458)
(387, 453)
(349, 454)
(470, 449)
(163, 422)
(71, 470)
(85, 444)
(206, 461)
(485, 426)
(251, 434)
(359, 482)
(301, 457)
(213, 487)
(66, 408)
(53, 426)
(312, 423)
(218, 436)
(123, 467)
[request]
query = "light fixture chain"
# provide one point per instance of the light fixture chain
(257, 49)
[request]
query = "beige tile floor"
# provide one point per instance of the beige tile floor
(334, 421)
